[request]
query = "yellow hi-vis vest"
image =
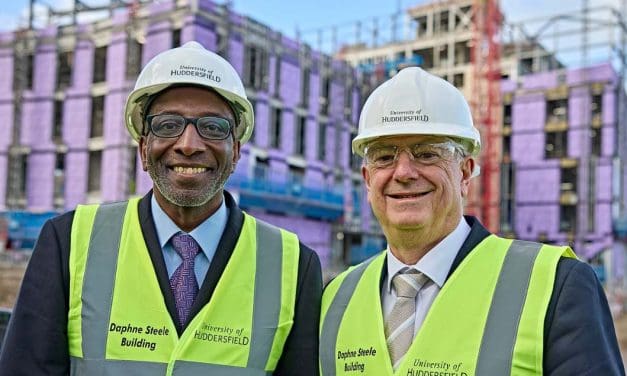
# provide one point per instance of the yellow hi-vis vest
(118, 323)
(488, 319)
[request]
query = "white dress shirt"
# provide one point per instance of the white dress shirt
(435, 264)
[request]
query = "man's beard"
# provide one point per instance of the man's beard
(186, 197)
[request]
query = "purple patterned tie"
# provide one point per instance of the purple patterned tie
(183, 282)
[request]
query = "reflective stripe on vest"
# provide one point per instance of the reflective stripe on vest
(515, 282)
(270, 300)
(499, 335)
(98, 288)
(267, 295)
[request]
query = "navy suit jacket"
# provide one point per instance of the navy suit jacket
(36, 340)
(579, 336)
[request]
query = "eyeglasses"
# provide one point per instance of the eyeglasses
(384, 156)
(170, 126)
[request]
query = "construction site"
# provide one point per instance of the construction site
(547, 94)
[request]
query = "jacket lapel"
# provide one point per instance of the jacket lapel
(156, 255)
(476, 236)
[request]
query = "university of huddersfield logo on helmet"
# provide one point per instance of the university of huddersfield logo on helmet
(405, 116)
(194, 71)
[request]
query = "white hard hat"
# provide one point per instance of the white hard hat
(190, 64)
(415, 102)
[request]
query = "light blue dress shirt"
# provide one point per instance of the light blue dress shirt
(207, 235)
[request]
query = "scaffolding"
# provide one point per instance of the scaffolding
(264, 53)
(592, 35)
(574, 39)
(41, 13)
(364, 33)
(25, 47)
(22, 80)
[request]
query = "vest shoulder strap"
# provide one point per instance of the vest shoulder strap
(94, 247)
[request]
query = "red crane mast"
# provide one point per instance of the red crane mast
(486, 104)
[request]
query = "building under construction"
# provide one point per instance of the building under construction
(560, 141)
(553, 166)
(564, 144)
(62, 98)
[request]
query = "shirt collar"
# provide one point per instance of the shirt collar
(207, 234)
(437, 262)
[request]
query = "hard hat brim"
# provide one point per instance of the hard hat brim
(401, 129)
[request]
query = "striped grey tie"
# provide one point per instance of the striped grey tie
(399, 326)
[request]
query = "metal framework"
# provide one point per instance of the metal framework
(581, 38)
(55, 16)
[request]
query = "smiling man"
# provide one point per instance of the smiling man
(181, 281)
(447, 297)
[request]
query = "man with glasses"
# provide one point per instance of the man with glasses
(181, 281)
(447, 297)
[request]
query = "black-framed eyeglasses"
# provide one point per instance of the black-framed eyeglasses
(170, 126)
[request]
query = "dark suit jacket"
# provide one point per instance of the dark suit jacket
(36, 341)
(579, 337)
